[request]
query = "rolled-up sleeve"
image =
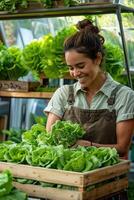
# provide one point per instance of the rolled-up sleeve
(126, 107)
(58, 101)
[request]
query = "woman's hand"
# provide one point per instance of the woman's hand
(84, 143)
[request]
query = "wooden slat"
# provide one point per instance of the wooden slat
(44, 174)
(49, 193)
(107, 189)
(62, 194)
(26, 94)
(105, 173)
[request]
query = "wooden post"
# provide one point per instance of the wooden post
(3, 125)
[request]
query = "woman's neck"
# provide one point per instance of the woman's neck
(97, 84)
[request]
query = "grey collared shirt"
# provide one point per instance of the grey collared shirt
(124, 103)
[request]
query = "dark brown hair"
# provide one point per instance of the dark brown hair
(86, 40)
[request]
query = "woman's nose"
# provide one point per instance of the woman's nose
(76, 72)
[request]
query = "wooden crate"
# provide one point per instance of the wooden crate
(18, 86)
(79, 180)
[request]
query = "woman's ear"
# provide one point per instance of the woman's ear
(98, 60)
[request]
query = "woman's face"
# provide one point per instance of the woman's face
(82, 68)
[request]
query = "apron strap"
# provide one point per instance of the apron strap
(111, 100)
(71, 98)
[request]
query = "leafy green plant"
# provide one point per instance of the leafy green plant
(14, 134)
(7, 192)
(30, 136)
(32, 56)
(13, 5)
(39, 119)
(80, 159)
(114, 61)
(10, 63)
(53, 63)
(5, 183)
(46, 55)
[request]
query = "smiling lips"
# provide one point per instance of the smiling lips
(81, 79)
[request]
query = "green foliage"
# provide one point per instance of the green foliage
(66, 133)
(13, 5)
(63, 133)
(114, 61)
(53, 63)
(4, 146)
(30, 136)
(80, 159)
(32, 56)
(13, 134)
(16, 153)
(39, 120)
(131, 190)
(71, 2)
(50, 149)
(7, 192)
(46, 55)
(5, 183)
(10, 63)
(15, 195)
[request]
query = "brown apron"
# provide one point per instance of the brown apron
(100, 125)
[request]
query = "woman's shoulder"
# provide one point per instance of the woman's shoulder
(65, 88)
(124, 95)
(62, 92)
(126, 90)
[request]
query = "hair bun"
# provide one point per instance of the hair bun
(87, 24)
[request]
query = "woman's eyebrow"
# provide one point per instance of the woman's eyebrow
(77, 64)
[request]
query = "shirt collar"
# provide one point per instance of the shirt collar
(106, 88)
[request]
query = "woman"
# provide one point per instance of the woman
(104, 107)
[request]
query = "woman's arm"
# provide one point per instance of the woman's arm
(124, 132)
(51, 119)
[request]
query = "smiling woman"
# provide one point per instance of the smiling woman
(104, 107)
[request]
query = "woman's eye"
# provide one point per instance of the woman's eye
(80, 66)
(70, 68)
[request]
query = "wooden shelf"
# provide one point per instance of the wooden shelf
(105, 8)
(40, 95)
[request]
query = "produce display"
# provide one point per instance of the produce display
(42, 160)
(51, 149)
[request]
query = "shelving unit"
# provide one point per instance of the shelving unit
(40, 95)
(103, 8)
(91, 9)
